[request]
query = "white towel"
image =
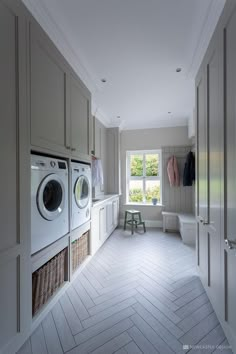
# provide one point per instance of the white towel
(97, 173)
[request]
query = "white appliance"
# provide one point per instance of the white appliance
(49, 201)
(81, 194)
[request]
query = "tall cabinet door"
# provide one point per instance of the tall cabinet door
(80, 111)
(15, 308)
(214, 161)
(48, 92)
(229, 242)
(202, 176)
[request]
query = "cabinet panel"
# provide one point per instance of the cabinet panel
(115, 209)
(80, 118)
(9, 124)
(102, 224)
(9, 301)
(229, 176)
(202, 196)
(97, 137)
(214, 179)
(95, 241)
(15, 298)
(109, 217)
(47, 93)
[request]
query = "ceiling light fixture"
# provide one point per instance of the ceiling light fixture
(118, 117)
(178, 70)
(104, 80)
(169, 112)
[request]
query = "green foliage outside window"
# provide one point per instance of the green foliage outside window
(136, 194)
(152, 165)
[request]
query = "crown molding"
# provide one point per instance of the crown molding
(178, 122)
(211, 19)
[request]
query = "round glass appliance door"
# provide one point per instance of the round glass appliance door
(51, 197)
(82, 192)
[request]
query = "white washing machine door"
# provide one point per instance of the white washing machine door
(82, 191)
(51, 197)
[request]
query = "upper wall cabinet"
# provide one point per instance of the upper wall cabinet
(48, 83)
(59, 102)
(80, 99)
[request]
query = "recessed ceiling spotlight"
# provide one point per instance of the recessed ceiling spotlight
(118, 117)
(169, 112)
(178, 70)
(104, 80)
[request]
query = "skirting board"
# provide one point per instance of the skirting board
(148, 223)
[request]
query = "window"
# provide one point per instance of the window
(143, 176)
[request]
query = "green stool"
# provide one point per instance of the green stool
(135, 220)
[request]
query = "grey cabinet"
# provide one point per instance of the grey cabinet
(216, 170)
(48, 90)
(80, 101)
(15, 298)
(60, 104)
(97, 136)
(113, 160)
(202, 177)
(100, 151)
(229, 231)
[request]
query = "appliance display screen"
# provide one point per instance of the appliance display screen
(62, 165)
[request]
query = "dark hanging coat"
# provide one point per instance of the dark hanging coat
(189, 170)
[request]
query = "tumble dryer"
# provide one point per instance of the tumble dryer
(49, 201)
(81, 194)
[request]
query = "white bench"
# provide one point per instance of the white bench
(184, 223)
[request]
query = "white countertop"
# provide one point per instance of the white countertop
(103, 198)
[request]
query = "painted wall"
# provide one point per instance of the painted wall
(148, 139)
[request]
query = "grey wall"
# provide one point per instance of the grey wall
(148, 139)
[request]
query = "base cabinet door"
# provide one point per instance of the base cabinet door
(102, 224)
(109, 217)
(115, 212)
(15, 275)
(95, 234)
(48, 90)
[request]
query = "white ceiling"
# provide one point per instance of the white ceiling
(137, 46)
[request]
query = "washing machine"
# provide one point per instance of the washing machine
(49, 201)
(81, 194)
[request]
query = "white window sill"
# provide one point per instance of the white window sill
(143, 204)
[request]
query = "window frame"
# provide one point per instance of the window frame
(143, 178)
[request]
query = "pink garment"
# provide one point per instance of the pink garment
(173, 171)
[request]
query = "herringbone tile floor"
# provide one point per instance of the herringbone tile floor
(139, 294)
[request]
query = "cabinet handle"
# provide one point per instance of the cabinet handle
(73, 149)
(231, 244)
(202, 221)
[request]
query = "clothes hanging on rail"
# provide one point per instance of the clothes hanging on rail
(173, 171)
(97, 172)
(189, 170)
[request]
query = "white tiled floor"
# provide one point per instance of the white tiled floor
(139, 294)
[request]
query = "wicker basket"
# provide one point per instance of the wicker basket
(47, 279)
(79, 250)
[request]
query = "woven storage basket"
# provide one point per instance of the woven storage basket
(47, 279)
(79, 250)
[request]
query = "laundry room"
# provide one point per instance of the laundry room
(117, 182)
